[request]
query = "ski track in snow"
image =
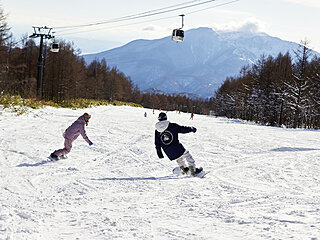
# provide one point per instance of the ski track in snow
(264, 182)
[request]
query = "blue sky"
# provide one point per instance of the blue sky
(292, 20)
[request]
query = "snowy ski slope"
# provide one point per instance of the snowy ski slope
(264, 182)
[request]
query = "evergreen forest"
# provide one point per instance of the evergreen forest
(280, 91)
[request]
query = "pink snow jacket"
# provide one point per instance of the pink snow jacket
(76, 129)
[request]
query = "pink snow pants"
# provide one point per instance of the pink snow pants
(66, 149)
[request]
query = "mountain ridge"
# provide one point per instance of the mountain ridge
(199, 65)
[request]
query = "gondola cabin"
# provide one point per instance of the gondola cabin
(54, 47)
(178, 35)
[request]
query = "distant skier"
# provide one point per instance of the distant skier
(191, 116)
(166, 137)
(71, 134)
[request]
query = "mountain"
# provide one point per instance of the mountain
(153, 91)
(95, 45)
(188, 95)
(199, 65)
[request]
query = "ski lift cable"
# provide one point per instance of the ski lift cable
(219, 5)
(129, 16)
(116, 26)
(124, 25)
(142, 15)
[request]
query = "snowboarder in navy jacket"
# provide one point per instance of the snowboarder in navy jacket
(166, 138)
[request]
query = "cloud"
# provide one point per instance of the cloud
(251, 25)
(149, 28)
(154, 30)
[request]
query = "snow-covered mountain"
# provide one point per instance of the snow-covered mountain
(199, 65)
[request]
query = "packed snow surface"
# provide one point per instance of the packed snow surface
(264, 182)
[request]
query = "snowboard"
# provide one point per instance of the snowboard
(59, 158)
(53, 159)
(177, 171)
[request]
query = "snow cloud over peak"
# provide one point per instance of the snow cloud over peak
(251, 25)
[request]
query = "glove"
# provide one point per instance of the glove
(90, 143)
(193, 129)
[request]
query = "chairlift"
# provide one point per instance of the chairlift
(54, 47)
(178, 34)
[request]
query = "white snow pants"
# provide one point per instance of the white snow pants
(186, 157)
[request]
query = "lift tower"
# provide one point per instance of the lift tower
(42, 33)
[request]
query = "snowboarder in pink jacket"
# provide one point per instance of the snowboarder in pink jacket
(71, 134)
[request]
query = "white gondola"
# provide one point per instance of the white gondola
(54, 47)
(178, 34)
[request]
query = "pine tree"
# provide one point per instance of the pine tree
(299, 87)
(5, 36)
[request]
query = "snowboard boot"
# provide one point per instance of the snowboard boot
(54, 157)
(199, 170)
(195, 172)
(63, 157)
(184, 170)
(192, 170)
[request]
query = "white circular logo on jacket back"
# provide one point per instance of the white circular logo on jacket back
(166, 137)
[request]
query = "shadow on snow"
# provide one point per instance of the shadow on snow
(293, 149)
(34, 164)
(136, 178)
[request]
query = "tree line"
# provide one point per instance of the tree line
(277, 91)
(66, 76)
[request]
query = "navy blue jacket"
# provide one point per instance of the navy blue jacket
(168, 140)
